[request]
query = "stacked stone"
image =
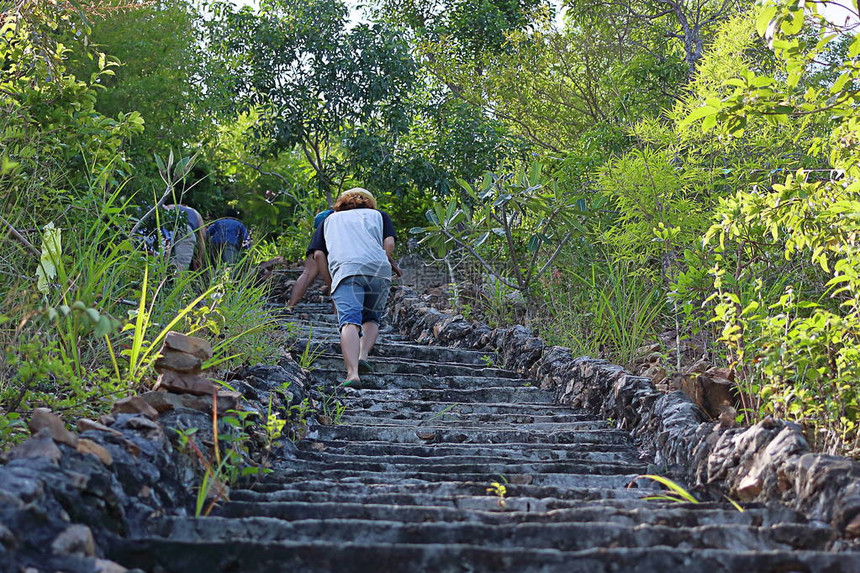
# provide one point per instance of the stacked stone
(182, 382)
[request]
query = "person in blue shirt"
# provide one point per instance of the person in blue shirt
(310, 269)
(228, 237)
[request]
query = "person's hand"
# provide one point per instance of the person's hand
(395, 268)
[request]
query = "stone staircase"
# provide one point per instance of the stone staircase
(400, 483)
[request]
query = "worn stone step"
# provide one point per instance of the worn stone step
(453, 466)
(522, 394)
(326, 338)
(588, 507)
(510, 451)
(325, 328)
(408, 408)
(485, 502)
(509, 458)
(515, 423)
(425, 368)
(560, 536)
(453, 416)
(565, 479)
(379, 381)
(591, 506)
(253, 557)
(406, 349)
(427, 353)
(628, 497)
(523, 503)
(441, 434)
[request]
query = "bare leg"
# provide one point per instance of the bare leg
(350, 345)
(371, 332)
(309, 273)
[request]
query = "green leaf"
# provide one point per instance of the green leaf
(698, 113)
(93, 315)
(792, 25)
(672, 486)
(764, 19)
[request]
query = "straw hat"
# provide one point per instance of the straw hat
(358, 191)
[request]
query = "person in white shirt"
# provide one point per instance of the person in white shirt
(354, 249)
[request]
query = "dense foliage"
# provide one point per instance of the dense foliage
(612, 173)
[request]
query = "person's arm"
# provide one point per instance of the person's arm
(322, 266)
(388, 245)
(388, 238)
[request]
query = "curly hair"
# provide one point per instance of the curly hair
(355, 198)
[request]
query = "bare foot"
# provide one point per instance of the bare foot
(352, 377)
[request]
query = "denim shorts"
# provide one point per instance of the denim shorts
(360, 299)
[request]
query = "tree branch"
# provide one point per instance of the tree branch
(479, 258)
(21, 238)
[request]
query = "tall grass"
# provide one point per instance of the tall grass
(607, 310)
(92, 332)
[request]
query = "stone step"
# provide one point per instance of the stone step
(629, 497)
(453, 466)
(407, 408)
(426, 353)
(510, 457)
(592, 505)
(485, 502)
(403, 366)
(382, 381)
(510, 451)
(440, 435)
(325, 328)
(582, 480)
(513, 423)
(519, 395)
(453, 415)
(560, 536)
(255, 557)
(414, 352)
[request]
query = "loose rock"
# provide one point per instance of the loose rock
(182, 383)
(43, 418)
(134, 405)
(198, 347)
(76, 540)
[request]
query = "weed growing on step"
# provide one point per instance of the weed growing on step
(274, 427)
(443, 412)
(331, 409)
(298, 417)
(310, 354)
(676, 493)
(500, 490)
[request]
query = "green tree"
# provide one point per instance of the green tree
(315, 78)
(474, 27)
(158, 45)
(513, 225)
(690, 23)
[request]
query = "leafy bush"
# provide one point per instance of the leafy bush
(795, 357)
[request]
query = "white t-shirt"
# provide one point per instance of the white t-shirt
(353, 242)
